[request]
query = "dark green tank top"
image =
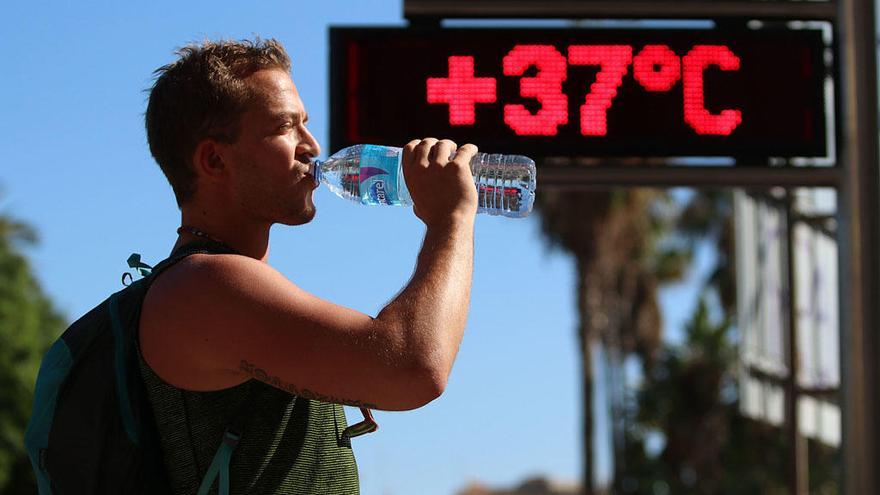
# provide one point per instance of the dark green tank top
(289, 445)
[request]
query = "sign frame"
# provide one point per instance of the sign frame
(338, 128)
(426, 11)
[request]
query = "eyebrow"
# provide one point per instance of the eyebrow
(294, 116)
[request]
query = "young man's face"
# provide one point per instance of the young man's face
(269, 161)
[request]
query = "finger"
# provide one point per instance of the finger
(408, 151)
(465, 154)
(442, 152)
(422, 151)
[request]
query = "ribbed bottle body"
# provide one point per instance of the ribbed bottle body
(505, 184)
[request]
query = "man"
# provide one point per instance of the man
(228, 128)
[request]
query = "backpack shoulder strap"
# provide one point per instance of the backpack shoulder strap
(219, 467)
(124, 339)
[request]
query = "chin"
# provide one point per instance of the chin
(301, 217)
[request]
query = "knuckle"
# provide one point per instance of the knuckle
(409, 150)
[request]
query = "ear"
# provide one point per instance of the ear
(208, 160)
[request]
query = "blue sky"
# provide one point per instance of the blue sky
(74, 163)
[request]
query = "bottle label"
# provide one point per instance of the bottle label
(379, 171)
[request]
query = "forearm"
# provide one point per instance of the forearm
(426, 320)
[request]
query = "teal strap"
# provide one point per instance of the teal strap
(122, 399)
(220, 464)
(134, 261)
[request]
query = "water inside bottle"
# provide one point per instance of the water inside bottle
(505, 185)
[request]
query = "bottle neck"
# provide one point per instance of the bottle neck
(315, 170)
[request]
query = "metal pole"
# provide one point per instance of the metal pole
(859, 243)
(798, 461)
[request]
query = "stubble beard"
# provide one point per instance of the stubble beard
(291, 206)
(294, 209)
(302, 215)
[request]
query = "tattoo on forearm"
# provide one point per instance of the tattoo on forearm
(260, 374)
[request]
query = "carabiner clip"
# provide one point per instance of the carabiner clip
(368, 425)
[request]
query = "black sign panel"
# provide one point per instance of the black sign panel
(584, 92)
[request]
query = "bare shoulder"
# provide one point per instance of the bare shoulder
(186, 304)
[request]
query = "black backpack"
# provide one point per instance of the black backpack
(92, 429)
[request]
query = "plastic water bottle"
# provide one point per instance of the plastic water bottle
(371, 175)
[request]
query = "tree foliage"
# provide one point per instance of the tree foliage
(688, 404)
(681, 431)
(28, 324)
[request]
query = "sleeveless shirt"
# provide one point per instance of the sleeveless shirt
(289, 445)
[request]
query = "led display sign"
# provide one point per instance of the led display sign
(584, 92)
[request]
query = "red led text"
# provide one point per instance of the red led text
(656, 68)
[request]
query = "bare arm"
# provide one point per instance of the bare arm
(434, 306)
(217, 320)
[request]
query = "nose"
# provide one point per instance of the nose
(309, 145)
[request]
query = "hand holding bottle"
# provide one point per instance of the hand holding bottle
(441, 188)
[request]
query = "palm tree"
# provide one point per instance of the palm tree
(613, 236)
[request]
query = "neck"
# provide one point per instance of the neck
(247, 237)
